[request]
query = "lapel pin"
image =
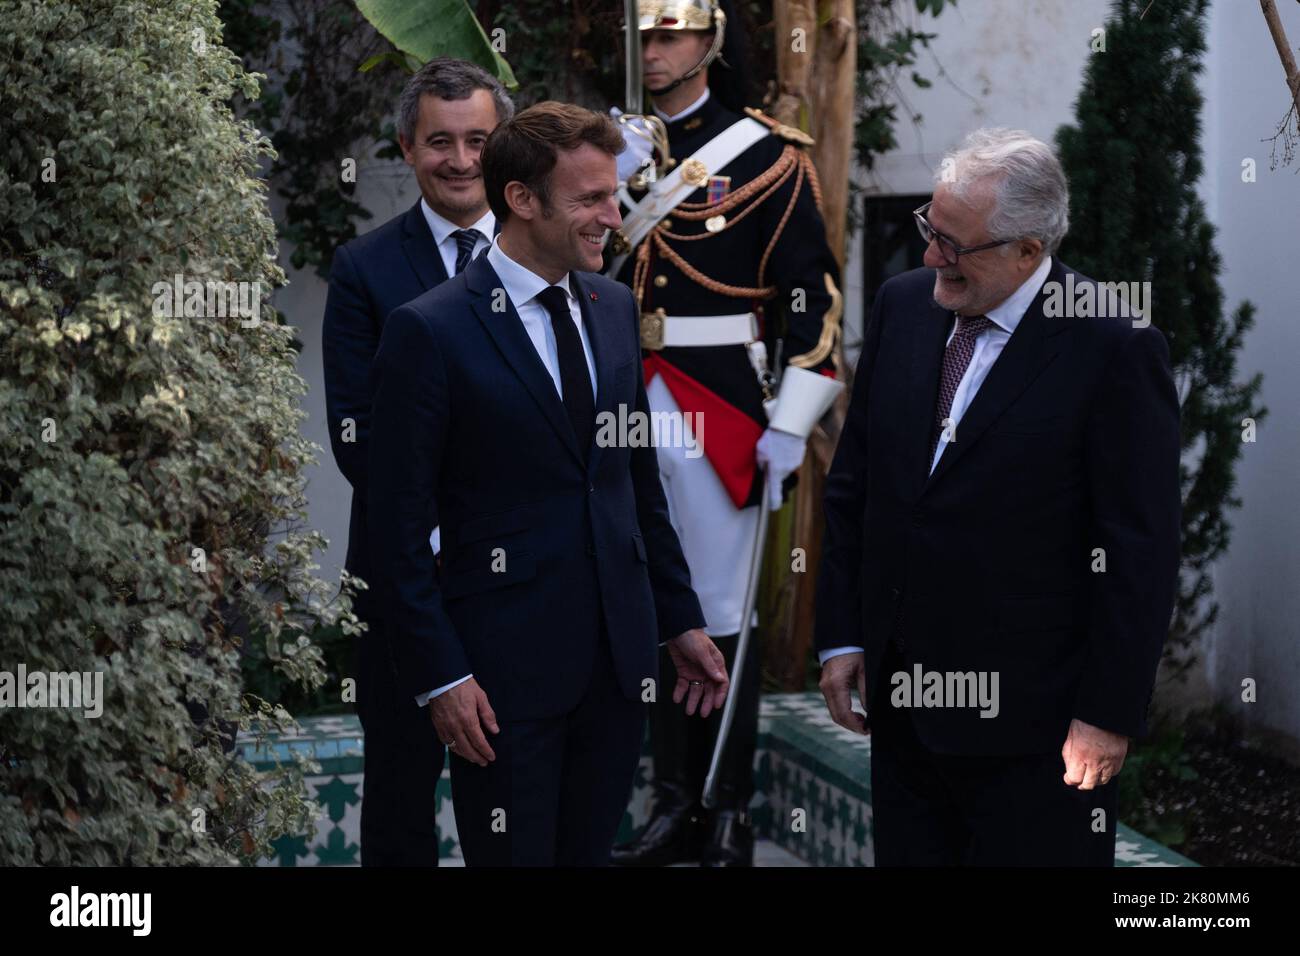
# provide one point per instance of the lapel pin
(593, 295)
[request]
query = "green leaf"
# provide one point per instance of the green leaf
(395, 57)
(436, 28)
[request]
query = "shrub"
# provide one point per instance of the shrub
(152, 482)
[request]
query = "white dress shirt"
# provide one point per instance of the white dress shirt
(522, 287)
(704, 98)
(442, 228)
(988, 346)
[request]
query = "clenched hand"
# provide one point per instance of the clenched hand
(1092, 756)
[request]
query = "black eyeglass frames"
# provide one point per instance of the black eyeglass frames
(947, 248)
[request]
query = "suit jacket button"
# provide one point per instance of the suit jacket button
(591, 489)
(895, 593)
(591, 550)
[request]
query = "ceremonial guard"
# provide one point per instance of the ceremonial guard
(724, 246)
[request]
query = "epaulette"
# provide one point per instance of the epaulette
(790, 134)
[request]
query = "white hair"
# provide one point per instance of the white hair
(1030, 197)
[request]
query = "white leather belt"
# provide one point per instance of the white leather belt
(691, 175)
(675, 331)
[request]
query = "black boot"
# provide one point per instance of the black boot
(676, 831)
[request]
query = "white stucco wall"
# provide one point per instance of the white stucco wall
(1016, 63)
(1258, 580)
(385, 189)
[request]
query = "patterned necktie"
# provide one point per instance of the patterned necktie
(956, 358)
(466, 240)
(575, 379)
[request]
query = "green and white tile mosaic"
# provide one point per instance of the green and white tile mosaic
(336, 743)
(808, 764)
(813, 792)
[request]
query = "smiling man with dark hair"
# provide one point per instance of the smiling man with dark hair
(536, 644)
(447, 110)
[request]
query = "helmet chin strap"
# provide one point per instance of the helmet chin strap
(683, 78)
(715, 48)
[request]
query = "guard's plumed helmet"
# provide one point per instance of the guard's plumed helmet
(685, 15)
(677, 14)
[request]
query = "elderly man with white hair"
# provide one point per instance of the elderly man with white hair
(1002, 530)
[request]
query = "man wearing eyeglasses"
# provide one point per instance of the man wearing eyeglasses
(1002, 532)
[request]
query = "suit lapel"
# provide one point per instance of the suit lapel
(1030, 349)
(420, 249)
(603, 347)
(507, 331)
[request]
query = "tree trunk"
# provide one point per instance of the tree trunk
(1283, 49)
(816, 61)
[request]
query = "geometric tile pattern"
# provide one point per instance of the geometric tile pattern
(1133, 849)
(815, 778)
(812, 800)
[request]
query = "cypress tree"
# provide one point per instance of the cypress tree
(1133, 159)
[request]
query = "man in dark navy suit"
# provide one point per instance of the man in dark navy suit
(1002, 530)
(537, 643)
(447, 111)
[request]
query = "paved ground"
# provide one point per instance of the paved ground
(766, 853)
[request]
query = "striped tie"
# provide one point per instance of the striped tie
(956, 359)
(466, 240)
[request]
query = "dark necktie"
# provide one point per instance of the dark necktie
(575, 380)
(956, 359)
(466, 239)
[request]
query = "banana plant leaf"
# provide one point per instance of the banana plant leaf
(423, 29)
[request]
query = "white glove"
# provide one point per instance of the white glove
(780, 454)
(635, 152)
